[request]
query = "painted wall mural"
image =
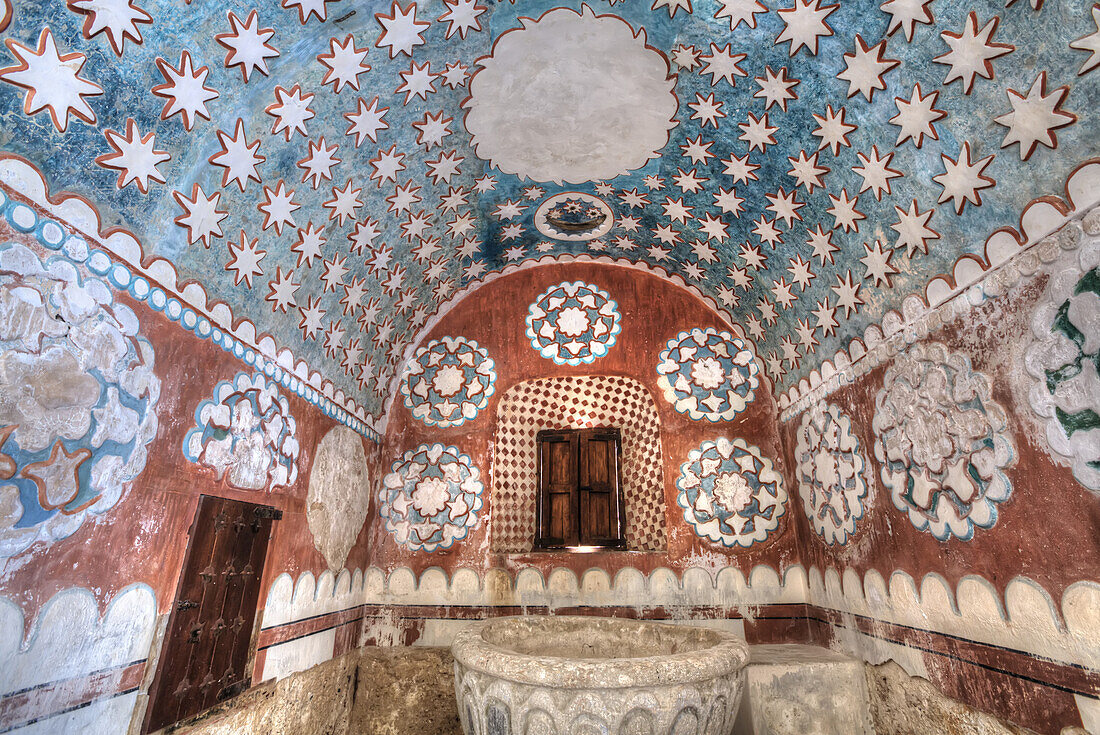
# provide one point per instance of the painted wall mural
(246, 434)
(707, 374)
(431, 497)
(831, 467)
(730, 493)
(339, 494)
(573, 323)
(942, 441)
(449, 381)
(78, 396)
(1064, 359)
(583, 401)
(75, 653)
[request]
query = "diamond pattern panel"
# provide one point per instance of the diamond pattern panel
(571, 403)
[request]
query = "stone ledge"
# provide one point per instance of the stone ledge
(795, 689)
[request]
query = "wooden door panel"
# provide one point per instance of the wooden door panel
(561, 464)
(557, 497)
(596, 518)
(561, 517)
(205, 652)
(601, 516)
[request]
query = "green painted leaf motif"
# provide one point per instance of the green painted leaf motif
(1079, 421)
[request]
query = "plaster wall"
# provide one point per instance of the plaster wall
(82, 609)
(1012, 594)
(994, 603)
(151, 328)
(653, 312)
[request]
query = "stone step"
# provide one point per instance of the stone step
(794, 689)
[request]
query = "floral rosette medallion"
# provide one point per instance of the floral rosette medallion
(78, 398)
(942, 441)
(707, 374)
(449, 381)
(730, 493)
(431, 497)
(246, 434)
(1064, 360)
(830, 466)
(573, 323)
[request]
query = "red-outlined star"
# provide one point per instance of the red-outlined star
(52, 81)
(134, 156)
(185, 89)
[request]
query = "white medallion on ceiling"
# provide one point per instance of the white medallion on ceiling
(574, 217)
(597, 102)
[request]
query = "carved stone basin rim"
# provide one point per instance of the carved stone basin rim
(571, 652)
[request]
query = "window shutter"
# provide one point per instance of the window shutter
(557, 506)
(602, 520)
(579, 493)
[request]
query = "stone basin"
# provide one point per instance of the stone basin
(549, 675)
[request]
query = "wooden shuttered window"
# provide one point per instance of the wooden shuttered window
(205, 658)
(580, 500)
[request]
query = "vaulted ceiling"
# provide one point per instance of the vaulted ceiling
(335, 170)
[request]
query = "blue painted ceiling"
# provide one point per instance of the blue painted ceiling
(826, 159)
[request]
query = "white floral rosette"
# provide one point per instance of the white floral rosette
(942, 441)
(431, 497)
(246, 434)
(707, 374)
(830, 468)
(730, 493)
(573, 323)
(448, 382)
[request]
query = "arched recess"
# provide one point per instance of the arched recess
(574, 402)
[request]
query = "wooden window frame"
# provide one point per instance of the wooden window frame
(580, 488)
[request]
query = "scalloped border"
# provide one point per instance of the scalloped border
(122, 259)
(1018, 613)
(948, 294)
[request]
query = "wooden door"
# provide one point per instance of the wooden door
(579, 491)
(205, 656)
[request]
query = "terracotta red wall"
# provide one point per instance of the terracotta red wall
(1046, 532)
(143, 538)
(653, 311)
